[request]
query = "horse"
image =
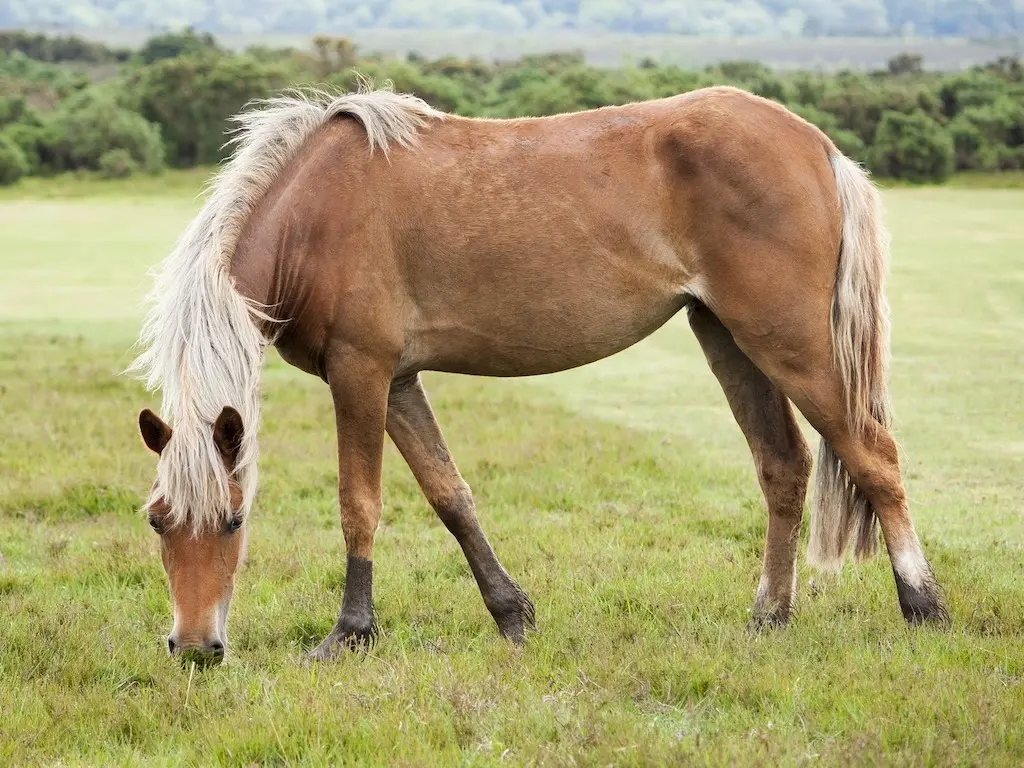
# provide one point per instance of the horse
(370, 237)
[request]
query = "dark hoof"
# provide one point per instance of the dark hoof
(514, 615)
(769, 614)
(342, 639)
(766, 622)
(923, 603)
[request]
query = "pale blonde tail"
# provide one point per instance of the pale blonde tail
(860, 343)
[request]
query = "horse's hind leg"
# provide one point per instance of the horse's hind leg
(415, 432)
(798, 359)
(780, 454)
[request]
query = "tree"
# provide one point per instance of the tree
(188, 42)
(906, 64)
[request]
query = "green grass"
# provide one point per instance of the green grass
(621, 496)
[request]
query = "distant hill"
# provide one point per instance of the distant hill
(767, 18)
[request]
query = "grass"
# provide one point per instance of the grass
(621, 495)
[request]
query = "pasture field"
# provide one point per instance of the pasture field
(621, 496)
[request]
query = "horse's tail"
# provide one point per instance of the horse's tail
(860, 344)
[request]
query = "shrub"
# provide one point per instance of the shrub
(971, 150)
(117, 164)
(848, 142)
(984, 136)
(912, 146)
(190, 98)
(13, 164)
(16, 109)
(82, 136)
(29, 139)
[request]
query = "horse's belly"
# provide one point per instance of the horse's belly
(521, 337)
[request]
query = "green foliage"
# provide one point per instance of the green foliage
(21, 75)
(17, 109)
(912, 146)
(82, 132)
(188, 86)
(117, 164)
(13, 164)
(971, 151)
(172, 44)
(30, 139)
(190, 98)
(61, 48)
(848, 142)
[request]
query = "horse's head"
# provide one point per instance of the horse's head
(200, 555)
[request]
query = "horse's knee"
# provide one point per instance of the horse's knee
(456, 509)
(359, 520)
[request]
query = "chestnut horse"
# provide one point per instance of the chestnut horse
(369, 237)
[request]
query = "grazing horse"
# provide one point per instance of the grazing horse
(369, 237)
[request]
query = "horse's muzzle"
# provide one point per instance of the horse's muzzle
(207, 653)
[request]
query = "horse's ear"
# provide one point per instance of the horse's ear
(155, 431)
(227, 434)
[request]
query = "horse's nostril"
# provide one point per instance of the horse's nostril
(171, 645)
(216, 647)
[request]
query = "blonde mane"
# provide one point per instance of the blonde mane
(201, 342)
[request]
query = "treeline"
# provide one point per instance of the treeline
(168, 102)
(59, 48)
(771, 18)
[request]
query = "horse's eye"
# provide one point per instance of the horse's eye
(235, 523)
(155, 524)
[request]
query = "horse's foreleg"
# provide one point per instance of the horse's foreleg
(412, 427)
(780, 454)
(359, 386)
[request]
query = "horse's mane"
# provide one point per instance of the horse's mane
(201, 342)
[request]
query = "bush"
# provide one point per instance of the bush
(16, 109)
(190, 98)
(911, 146)
(82, 136)
(982, 133)
(29, 139)
(969, 146)
(13, 164)
(118, 164)
(849, 144)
